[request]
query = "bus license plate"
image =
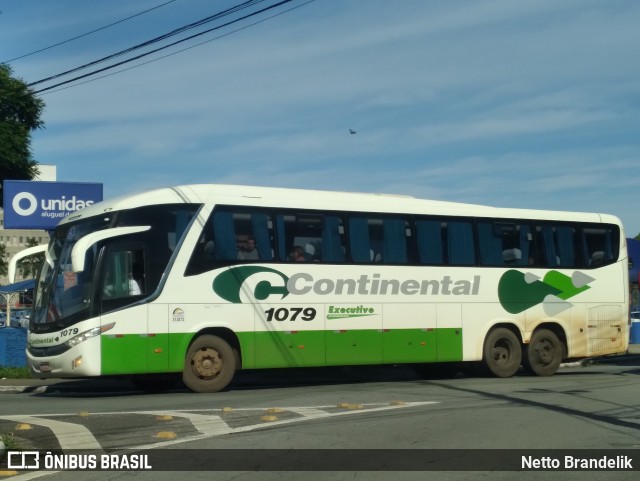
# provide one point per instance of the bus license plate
(45, 367)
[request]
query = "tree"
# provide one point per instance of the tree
(20, 112)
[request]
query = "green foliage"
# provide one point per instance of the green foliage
(14, 373)
(20, 112)
(10, 442)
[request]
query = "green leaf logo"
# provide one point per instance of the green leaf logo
(520, 291)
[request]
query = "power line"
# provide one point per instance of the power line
(172, 33)
(94, 72)
(88, 33)
(182, 50)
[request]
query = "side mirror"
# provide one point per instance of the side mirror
(79, 251)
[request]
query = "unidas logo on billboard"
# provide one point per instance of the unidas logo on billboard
(41, 205)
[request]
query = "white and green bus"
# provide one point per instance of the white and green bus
(200, 281)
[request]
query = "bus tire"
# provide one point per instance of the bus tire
(543, 354)
(502, 353)
(209, 365)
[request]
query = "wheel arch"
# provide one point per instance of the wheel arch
(558, 330)
(474, 350)
(223, 333)
(508, 325)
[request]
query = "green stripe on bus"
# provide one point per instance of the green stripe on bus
(137, 353)
(351, 347)
(124, 354)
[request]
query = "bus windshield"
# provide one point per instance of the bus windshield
(106, 282)
(62, 294)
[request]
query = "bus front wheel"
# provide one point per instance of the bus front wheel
(502, 352)
(210, 364)
(543, 354)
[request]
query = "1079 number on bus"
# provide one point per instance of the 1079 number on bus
(290, 314)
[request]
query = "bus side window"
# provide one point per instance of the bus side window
(558, 245)
(333, 248)
(429, 240)
(505, 244)
(314, 236)
(359, 240)
(379, 239)
(600, 245)
(124, 274)
(460, 243)
(395, 241)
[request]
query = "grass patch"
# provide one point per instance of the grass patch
(10, 442)
(14, 373)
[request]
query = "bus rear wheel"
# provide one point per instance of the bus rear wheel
(543, 354)
(502, 352)
(210, 364)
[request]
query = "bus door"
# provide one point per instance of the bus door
(126, 347)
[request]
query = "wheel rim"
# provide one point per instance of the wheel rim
(501, 352)
(207, 363)
(544, 352)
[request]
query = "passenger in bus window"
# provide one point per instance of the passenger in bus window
(249, 252)
(134, 287)
(136, 278)
(297, 254)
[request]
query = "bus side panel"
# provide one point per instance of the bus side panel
(158, 342)
(354, 347)
(449, 332)
(353, 338)
(607, 331)
(124, 347)
(410, 333)
(289, 349)
(289, 335)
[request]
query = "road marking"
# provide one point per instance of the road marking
(212, 425)
(69, 435)
(208, 425)
(307, 413)
(311, 413)
(74, 436)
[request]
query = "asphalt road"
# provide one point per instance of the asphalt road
(319, 421)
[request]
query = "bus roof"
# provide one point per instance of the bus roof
(321, 199)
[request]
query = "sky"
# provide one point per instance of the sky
(527, 104)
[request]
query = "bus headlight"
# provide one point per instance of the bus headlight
(83, 336)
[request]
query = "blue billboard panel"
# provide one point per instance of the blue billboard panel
(41, 205)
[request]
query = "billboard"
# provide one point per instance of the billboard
(41, 205)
